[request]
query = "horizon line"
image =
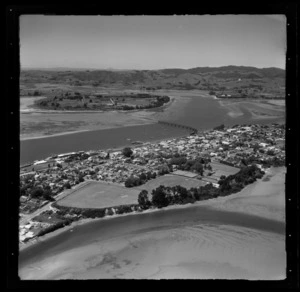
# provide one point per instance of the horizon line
(117, 69)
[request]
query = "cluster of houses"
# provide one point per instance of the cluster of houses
(221, 147)
(229, 146)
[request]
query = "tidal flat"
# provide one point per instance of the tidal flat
(241, 236)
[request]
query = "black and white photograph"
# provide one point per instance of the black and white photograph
(152, 147)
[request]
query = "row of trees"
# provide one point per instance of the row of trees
(160, 101)
(266, 162)
(133, 181)
(37, 193)
(196, 165)
(164, 196)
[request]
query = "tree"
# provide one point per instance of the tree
(164, 169)
(143, 200)
(159, 198)
(221, 127)
(47, 195)
(67, 185)
(178, 160)
(182, 191)
(36, 192)
(143, 177)
(149, 175)
(132, 181)
(198, 167)
(127, 152)
(188, 164)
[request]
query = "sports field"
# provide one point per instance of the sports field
(171, 180)
(222, 169)
(100, 195)
(97, 194)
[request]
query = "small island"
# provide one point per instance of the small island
(76, 101)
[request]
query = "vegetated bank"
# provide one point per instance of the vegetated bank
(104, 102)
(160, 197)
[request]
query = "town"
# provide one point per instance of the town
(202, 158)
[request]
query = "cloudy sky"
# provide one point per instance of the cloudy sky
(152, 42)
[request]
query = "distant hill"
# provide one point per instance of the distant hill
(227, 78)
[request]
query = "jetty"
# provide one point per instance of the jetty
(192, 130)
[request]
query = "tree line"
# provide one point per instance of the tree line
(165, 195)
(161, 197)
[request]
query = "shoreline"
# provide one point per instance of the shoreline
(215, 204)
(234, 110)
(83, 130)
(142, 121)
(45, 111)
(119, 147)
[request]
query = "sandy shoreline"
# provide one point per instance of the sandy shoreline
(258, 109)
(276, 189)
(92, 122)
(80, 131)
(264, 199)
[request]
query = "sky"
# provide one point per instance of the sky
(152, 42)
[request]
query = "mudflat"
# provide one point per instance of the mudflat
(235, 237)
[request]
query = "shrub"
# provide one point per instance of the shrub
(143, 200)
(132, 182)
(127, 152)
(159, 198)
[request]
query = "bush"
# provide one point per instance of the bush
(221, 127)
(132, 182)
(55, 227)
(143, 200)
(123, 209)
(178, 160)
(164, 169)
(67, 185)
(127, 152)
(109, 212)
(198, 167)
(159, 198)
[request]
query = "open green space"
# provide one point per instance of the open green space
(171, 180)
(100, 195)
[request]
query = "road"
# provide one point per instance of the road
(26, 218)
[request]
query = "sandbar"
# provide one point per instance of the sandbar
(241, 236)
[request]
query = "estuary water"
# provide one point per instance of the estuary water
(198, 111)
(189, 242)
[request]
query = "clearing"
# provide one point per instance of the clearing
(97, 194)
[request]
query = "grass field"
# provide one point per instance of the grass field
(222, 169)
(100, 195)
(171, 180)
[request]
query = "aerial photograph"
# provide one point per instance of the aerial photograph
(152, 147)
